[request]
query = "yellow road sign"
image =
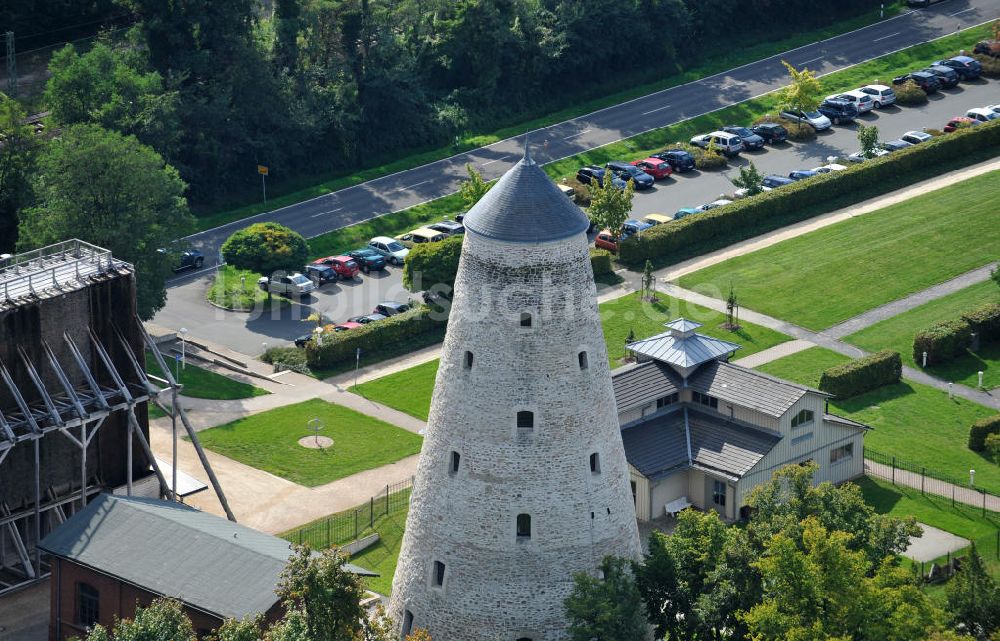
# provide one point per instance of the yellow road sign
(262, 170)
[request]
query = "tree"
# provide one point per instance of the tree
(163, 620)
(974, 597)
(112, 191)
(750, 180)
(265, 248)
(610, 205)
(803, 92)
(648, 280)
(608, 608)
(247, 629)
(732, 310)
(868, 140)
(17, 162)
(474, 188)
(324, 595)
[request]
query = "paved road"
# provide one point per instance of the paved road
(405, 189)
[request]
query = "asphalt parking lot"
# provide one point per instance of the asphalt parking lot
(247, 332)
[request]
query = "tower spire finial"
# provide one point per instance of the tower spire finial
(527, 149)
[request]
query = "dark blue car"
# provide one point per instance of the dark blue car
(368, 259)
(773, 182)
(802, 174)
(627, 171)
(596, 174)
(678, 159)
(967, 68)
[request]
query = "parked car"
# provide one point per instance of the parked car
(829, 168)
(773, 181)
(882, 96)
(657, 219)
(862, 101)
(454, 228)
(982, 114)
(678, 159)
(751, 141)
(605, 240)
(686, 211)
(960, 122)
(947, 76)
(364, 319)
(994, 108)
(567, 191)
(393, 250)
(633, 227)
(897, 144)
(343, 327)
(967, 68)
(367, 259)
(802, 174)
(815, 119)
(658, 169)
(838, 111)
(727, 144)
(925, 80)
(303, 340)
(390, 308)
(628, 171)
(988, 48)
(189, 259)
(916, 137)
(771, 132)
(295, 285)
(715, 203)
(595, 173)
(858, 156)
(321, 274)
(421, 235)
(344, 266)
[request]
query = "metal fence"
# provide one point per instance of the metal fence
(343, 527)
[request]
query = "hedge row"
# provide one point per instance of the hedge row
(863, 374)
(945, 340)
(600, 262)
(748, 217)
(339, 347)
(981, 429)
(985, 322)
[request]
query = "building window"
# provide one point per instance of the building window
(87, 605)
(595, 463)
(525, 319)
(524, 526)
(525, 420)
(802, 438)
(407, 622)
(804, 417)
(438, 574)
(468, 360)
(582, 358)
(842, 453)
(523, 639)
(456, 460)
(634, 489)
(705, 399)
(669, 399)
(719, 493)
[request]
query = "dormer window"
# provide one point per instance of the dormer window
(705, 399)
(669, 399)
(804, 417)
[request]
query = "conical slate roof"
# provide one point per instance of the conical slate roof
(525, 206)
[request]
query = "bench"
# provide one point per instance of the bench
(675, 506)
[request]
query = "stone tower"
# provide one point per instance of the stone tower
(522, 481)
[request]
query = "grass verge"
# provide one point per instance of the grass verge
(913, 422)
(897, 333)
(236, 289)
(831, 274)
(269, 441)
(201, 383)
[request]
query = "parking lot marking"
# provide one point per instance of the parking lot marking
(323, 213)
(885, 37)
(805, 62)
(411, 186)
(579, 133)
(962, 11)
(645, 113)
(494, 160)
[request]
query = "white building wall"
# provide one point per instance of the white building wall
(668, 489)
(642, 494)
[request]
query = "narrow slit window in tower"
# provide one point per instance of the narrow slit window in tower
(582, 358)
(407, 622)
(523, 639)
(525, 319)
(456, 460)
(438, 574)
(467, 363)
(595, 463)
(525, 420)
(524, 526)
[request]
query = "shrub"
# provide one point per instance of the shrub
(985, 322)
(993, 446)
(600, 261)
(909, 94)
(796, 130)
(981, 429)
(340, 347)
(991, 65)
(863, 374)
(942, 341)
(694, 235)
(283, 358)
(266, 248)
(709, 161)
(581, 192)
(432, 264)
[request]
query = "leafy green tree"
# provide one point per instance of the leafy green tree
(433, 266)
(112, 191)
(17, 163)
(974, 597)
(163, 620)
(474, 188)
(608, 608)
(250, 628)
(648, 280)
(266, 248)
(750, 179)
(325, 596)
(610, 206)
(286, 30)
(803, 91)
(868, 140)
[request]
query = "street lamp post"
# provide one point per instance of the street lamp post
(184, 332)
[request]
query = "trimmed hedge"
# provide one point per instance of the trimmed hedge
(981, 429)
(985, 322)
(863, 374)
(748, 217)
(340, 347)
(942, 341)
(600, 262)
(909, 94)
(796, 130)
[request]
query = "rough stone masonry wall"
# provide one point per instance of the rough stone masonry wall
(498, 587)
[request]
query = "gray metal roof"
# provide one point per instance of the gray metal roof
(174, 550)
(682, 350)
(748, 387)
(525, 206)
(636, 385)
(683, 325)
(840, 420)
(658, 447)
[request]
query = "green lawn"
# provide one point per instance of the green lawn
(897, 333)
(269, 441)
(407, 391)
(201, 383)
(916, 423)
(829, 275)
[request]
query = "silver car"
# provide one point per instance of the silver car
(818, 121)
(393, 250)
(858, 98)
(916, 137)
(882, 96)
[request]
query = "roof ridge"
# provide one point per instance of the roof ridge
(773, 379)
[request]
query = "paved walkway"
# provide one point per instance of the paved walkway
(774, 353)
(933, 544)
(961, 494)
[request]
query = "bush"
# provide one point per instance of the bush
(236, 290)
(340, 347)
(985, 322)
(863, 374)
(942, 341)
(981, 429)
(266, 248)
(283, 358)
(909, 94)
(694, 235)
(709, 161)
(600, 262)
(581, 192)
(796, 130)
(991, 65)
(432, 264)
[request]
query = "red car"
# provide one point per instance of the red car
(962, 122)
(606, 241)
(345, 266)
(658, 169)
(343, 327)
